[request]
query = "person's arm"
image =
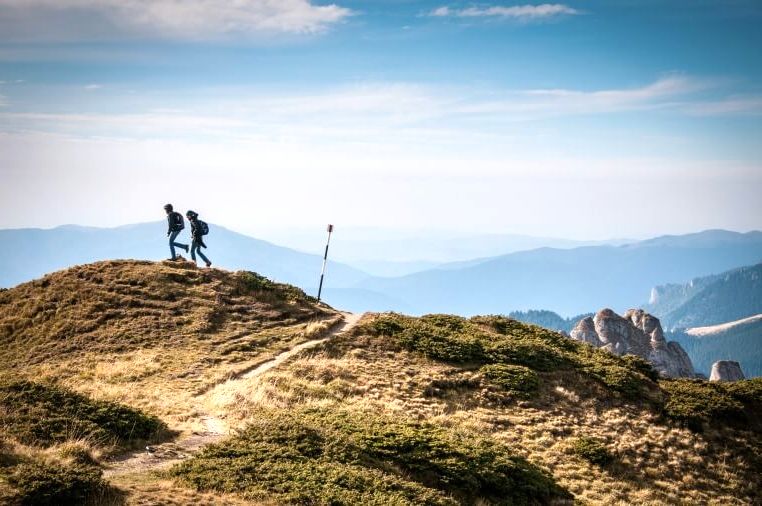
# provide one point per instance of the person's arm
(169, 224)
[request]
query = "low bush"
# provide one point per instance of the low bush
(441, 337)
(321, 456)
(527, 352)
(696, 402)
(592, 450)
(642, 366)
(516, 379)
(501, 340)
(40, 483)
(42, 415)
(747, 391)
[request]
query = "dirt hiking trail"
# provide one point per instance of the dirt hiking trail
(214, 428)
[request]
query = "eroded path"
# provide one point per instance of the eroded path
(213, 426)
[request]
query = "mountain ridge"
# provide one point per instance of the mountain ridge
(573, 281)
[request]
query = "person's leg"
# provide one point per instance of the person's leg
(178, 244)
(172, 237)
(194, 247)
(203, 257)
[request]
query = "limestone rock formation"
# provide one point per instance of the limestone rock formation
(636, 333)
(726, 370)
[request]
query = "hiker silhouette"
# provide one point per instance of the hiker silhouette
(198, 230)
(175, 226)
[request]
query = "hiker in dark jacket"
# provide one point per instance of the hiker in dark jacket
(198, 230)
(175, 226)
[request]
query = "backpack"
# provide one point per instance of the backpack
(177, 222)
(203, 228)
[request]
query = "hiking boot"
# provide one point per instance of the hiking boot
(209, 264)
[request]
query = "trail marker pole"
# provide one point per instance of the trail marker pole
(325, 260)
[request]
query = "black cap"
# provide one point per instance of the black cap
(168, 207)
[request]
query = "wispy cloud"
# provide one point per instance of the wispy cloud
(733, 105)
(91, 87)
(389, 114)
(516, 12)
(188, 19)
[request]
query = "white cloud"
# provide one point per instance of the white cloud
(388, 117)
(189, 19)
(517, 12)
(734, 105)
(91, 87)
(664, 93)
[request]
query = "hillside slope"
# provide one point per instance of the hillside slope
(399, 410)
(571, 281)
(710, 300)
(120, 329)
(598, 424)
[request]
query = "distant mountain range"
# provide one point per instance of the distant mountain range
(383, 251)
(709, 300)
(570, 281)
(566, 281)
(740, 340)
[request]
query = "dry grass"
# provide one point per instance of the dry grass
(161, 337)
(155, 490)
(154, 336)
(655, 462)
(150, 335)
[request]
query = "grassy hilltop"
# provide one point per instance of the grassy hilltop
(103, 358)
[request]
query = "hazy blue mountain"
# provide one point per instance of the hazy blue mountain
(709, 300)
(358, 300)
(385, 269)
(548, 319)
(571, 281)
(740, 341)
(359, 246)
(29, 253)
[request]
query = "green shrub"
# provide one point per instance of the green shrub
(436, 344)
(386, 325)
(519, 330)
(501, 340)
(43, 415)
(641, 365)
(450, 323)
(517, 379)
(697, 401)
(322, 456)
(746, 391)
(592, 450)
(441, 337)
(527, 352)
(620, 374)
(37, 483)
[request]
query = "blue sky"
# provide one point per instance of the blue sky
(584, 119)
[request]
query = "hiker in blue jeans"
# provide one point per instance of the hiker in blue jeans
(198, 230)
(176, 225)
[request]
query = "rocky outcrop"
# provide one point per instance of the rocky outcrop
(636, 333)
(726, 370)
